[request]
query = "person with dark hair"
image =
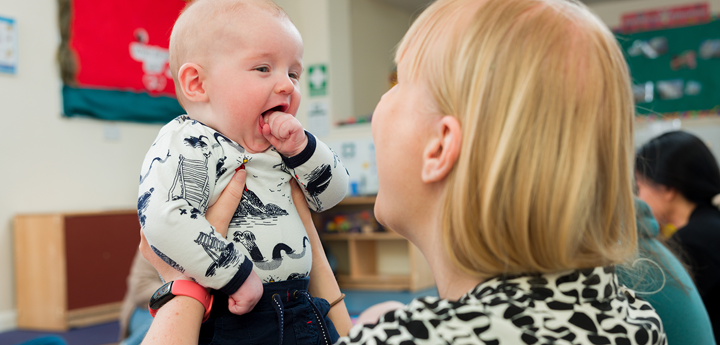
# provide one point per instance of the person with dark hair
(678, 177)
(661, 279)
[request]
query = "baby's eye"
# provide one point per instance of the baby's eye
(294, 75)
(263, 69)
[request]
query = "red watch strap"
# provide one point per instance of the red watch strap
(194, 290)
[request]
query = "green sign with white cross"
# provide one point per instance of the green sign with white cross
(317, 80)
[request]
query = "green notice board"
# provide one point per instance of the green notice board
(674, 70)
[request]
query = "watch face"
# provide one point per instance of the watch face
(161, 291)
(161, 296)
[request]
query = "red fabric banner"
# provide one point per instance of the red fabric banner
(122, 45)
(662, 18)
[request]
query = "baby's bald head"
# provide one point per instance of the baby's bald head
(200, 28)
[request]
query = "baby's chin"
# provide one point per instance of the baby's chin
(257, 145)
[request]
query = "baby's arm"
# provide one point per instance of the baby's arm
(318, 170)
(320, 174)
(178, 177)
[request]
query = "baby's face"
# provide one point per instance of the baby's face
(254, 70)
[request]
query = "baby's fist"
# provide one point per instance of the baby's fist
(247, 296)
(285, 133)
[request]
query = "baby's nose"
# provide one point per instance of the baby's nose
(285, 85)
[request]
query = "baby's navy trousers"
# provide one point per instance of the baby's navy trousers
(286, 315)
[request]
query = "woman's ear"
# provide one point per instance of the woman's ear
(442, 150)
(191, 77)
(669, 194)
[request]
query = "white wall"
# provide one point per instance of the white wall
(377, 28)
(356, 38)
(325, 28)
(50, 163)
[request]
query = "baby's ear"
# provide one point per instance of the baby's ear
(191, 78)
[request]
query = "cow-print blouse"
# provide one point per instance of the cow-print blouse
(576, 307)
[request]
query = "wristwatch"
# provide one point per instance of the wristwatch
(180, 288)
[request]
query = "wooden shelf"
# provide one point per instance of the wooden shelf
(71, 268)
(358, 200)
(343, 236)
(373, 261)
(375, 282)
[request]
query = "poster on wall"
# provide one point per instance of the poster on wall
(8, 45)
(358, 156)
(675, 70)
(114, 59)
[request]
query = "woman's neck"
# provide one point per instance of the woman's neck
(452, 283)
(681, 211)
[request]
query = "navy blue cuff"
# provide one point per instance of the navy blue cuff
(239, 278)
(302, 157)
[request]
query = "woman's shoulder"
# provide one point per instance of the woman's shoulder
(703, 227)
(578, 307)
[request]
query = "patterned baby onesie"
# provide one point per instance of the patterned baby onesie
(184, 173)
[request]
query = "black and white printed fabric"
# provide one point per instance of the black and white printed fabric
(183, 174)
(576, 307)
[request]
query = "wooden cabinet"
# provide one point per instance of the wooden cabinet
(373, 261)
(71, 269)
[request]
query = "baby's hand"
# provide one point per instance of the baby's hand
(247, 296)
(285, 133)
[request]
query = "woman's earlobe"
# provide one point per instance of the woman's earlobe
(191, 77)
(669, 194)
(442, 150)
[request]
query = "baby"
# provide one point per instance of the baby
(236, 66)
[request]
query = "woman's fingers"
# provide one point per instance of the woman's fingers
(301, 205)
(220, 214)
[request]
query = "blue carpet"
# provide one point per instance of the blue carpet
(93, 335)
(359, 300)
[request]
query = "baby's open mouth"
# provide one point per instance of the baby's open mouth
(264, 116)
(274, 109)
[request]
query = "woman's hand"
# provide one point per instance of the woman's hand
(178, 321)
(218, 215)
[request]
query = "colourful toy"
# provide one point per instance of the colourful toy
(362, 221)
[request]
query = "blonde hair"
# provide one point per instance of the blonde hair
(195, 29)
(543, 182)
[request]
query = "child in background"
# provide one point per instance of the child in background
(236, 66)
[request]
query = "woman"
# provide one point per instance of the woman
(135, 319)
(678, 177)
(505, 155)
(661, 279)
